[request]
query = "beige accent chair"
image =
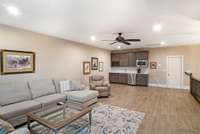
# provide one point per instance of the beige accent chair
(97, 83)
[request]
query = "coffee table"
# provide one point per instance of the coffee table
(56, 117)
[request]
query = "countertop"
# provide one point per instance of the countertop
(128, 72)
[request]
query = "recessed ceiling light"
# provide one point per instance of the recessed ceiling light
(162, 43)
(157, 27)
(93, 38)
(12, 10)
(118, 47)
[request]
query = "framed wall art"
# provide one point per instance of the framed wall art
(94, 63)
(14, 62)
(153, 65)
(100, 66)
(86, 67)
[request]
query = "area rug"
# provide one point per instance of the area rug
(106, 119)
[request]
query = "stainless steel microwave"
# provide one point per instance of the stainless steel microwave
(142, 63)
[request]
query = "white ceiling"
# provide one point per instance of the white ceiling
(77, 20)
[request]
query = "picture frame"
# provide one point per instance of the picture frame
(16, 62)
(100, 66)
(94, 63)
(153, 65)
(86, 68)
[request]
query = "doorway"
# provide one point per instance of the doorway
(175, 71)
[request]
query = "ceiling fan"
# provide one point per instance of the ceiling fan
(121, 39)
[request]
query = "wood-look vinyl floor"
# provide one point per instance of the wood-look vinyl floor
(167, 111)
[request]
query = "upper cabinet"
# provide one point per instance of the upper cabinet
(115, 59)
(127, 59)
(124, 59)
(142, 55)
(132, 59)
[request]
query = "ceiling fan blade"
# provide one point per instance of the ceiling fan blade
(113, 43)
(135, 40)
(125, 42)
(107, 40)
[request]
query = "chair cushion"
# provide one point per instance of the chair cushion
(81, 96)
(13, 93)
(97, 77)
(51, 99)
(98, 83)
(17, 109)
(101, 89)
(41, 88)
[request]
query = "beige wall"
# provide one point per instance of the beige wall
(55, 58)
(191, 62)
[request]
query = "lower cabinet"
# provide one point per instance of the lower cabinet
(114, 77)
(121, 78)
(142, 79)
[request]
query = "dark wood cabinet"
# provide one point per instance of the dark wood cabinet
(124, 59)
(142, 79)
(127, 59)
(121, 78)
(142, 55)
(132, 59)
(115, 59)
(114, 77)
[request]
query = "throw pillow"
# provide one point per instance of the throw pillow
(3, 131)
(76, 86)
(7, 127)
(64, 86)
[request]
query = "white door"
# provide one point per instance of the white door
(175, 71)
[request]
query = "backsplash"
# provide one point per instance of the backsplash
(128, 70)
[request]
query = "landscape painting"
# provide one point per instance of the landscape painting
(17, 62)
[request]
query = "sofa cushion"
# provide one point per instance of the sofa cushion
(17, 109)
(13, 93)
(81, 96)
(51, 99)
(41, 88)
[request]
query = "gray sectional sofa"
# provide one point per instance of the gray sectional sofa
(18, 98)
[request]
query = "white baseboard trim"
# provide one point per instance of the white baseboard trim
(157, 85)
(165, 86)
(186, 87)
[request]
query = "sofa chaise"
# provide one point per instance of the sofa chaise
(78, 95)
